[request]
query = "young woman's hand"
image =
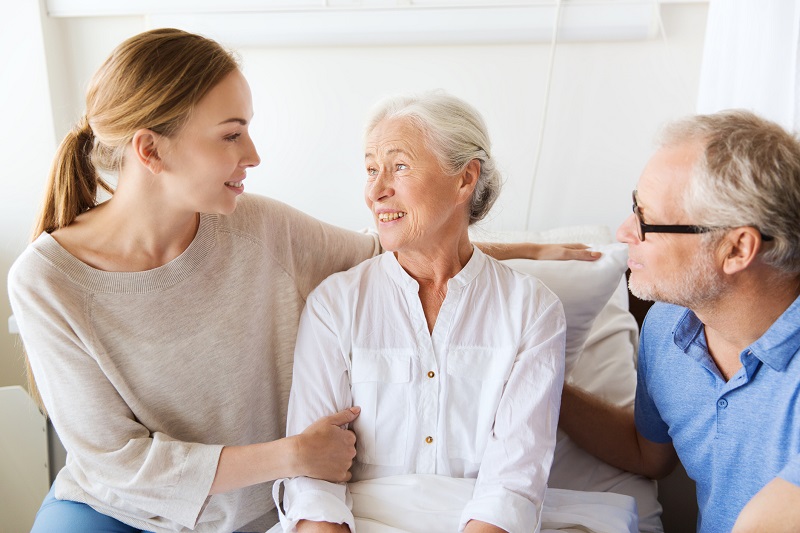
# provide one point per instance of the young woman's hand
(563, 252)
(542, 252)
(325, 450)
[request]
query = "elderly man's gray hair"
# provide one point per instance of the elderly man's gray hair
(747, 175)
(457, 134)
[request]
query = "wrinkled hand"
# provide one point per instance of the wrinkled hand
(326, 450)
(565, 252)
(306, 526)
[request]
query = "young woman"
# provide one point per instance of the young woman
(158, 323)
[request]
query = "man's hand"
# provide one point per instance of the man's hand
(775, 508)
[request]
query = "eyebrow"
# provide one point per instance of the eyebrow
(390, 151)
(241, 121)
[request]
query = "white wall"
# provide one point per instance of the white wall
(608, 100)
(27, 145)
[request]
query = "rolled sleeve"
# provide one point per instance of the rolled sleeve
(320, 387)
(317, 501)
(502, 508)
(509, 491)
(191, 496)
(189, 468)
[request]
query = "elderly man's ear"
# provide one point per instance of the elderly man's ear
(739, 249)
(468, 180)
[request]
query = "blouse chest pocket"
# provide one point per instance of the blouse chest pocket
(380, 384)
(475, 381)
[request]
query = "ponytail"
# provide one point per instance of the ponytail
(71, 190)
(72, 183)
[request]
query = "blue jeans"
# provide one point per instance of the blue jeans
(65, 516)
(73, 517)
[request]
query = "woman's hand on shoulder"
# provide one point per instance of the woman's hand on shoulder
(563, 252)
(542, 252)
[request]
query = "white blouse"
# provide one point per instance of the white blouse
(476, 398)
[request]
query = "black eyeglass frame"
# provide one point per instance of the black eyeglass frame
(645, 228)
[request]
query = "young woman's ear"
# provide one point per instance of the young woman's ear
(145, 148)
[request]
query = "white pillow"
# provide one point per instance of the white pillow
(583, 287)
(608, 362)
(607, 369)
(606, 366)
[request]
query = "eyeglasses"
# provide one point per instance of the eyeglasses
(662, 228)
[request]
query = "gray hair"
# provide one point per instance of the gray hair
(457, 134)
(747, 175)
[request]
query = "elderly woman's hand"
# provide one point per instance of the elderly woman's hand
(530, 250)
(307, 526)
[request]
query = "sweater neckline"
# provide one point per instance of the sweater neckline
(167, 275)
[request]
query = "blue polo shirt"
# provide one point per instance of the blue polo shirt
(732, 437)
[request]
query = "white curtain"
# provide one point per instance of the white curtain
(751, 59)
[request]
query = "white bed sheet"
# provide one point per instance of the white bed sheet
(422, 503)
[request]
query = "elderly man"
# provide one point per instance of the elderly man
(715, 237)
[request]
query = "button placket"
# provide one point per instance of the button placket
(428, 403)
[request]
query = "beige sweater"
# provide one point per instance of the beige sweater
(146, 375)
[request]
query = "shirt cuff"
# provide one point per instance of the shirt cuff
(504, 509)
(316, 500)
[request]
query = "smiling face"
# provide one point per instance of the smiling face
(415, 204)
(205, 163)
(674, 268)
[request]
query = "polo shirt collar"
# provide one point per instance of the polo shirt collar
(781, 341)
(687, 328)
(775, 347)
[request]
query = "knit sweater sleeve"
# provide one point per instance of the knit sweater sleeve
(117, 462)
(311, 250)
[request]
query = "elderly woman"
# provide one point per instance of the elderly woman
(455, 360)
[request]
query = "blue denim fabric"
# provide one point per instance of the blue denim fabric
(65, 516)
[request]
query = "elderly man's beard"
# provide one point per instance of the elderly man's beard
(698, 284)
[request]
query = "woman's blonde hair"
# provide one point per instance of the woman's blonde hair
(153, 80)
